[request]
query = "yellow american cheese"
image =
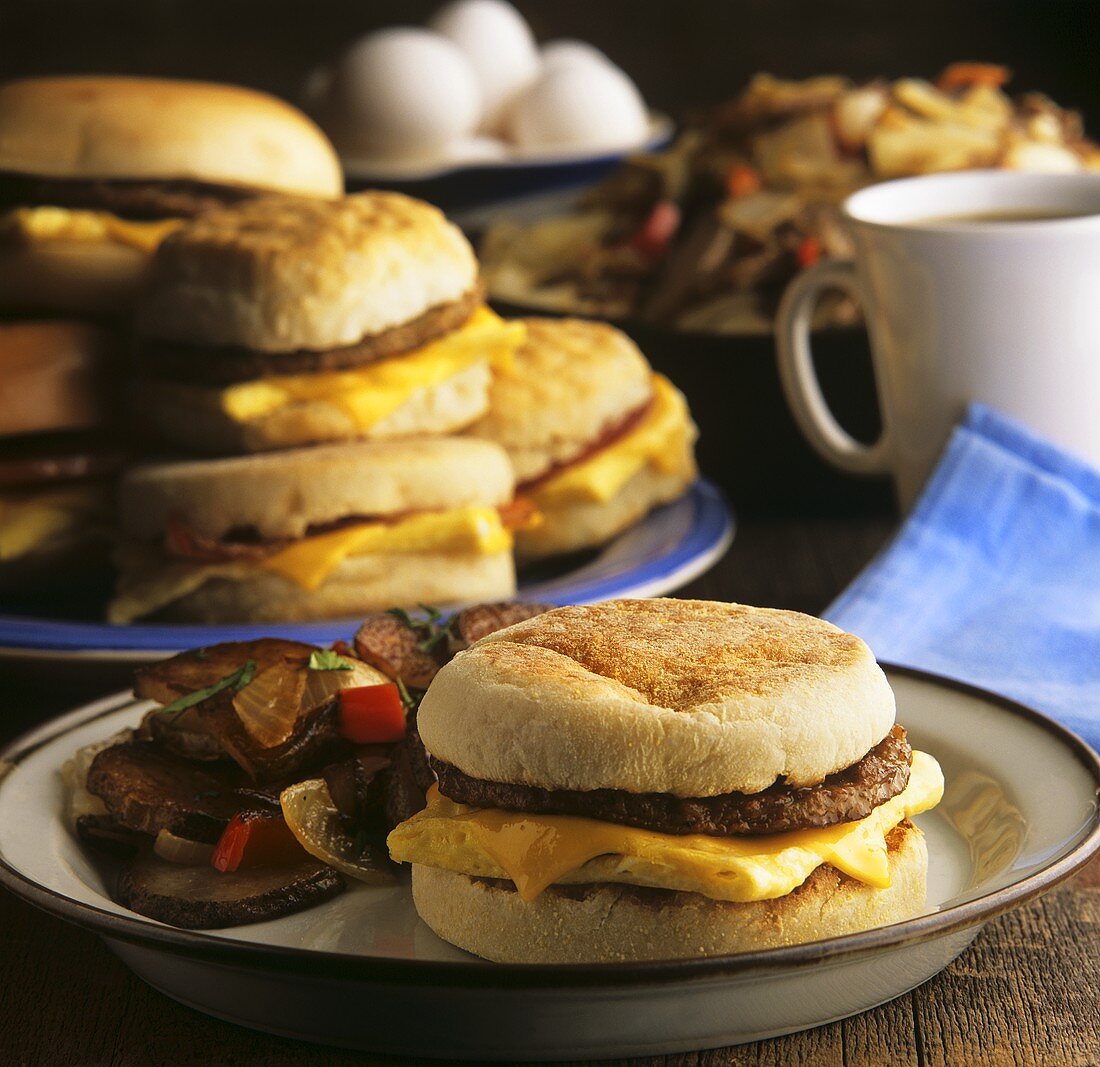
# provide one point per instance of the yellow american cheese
(72, 224)
(535, 851)
(657, 440)
(368, 394)
(311, 560)
(34, 521)
(150, 582)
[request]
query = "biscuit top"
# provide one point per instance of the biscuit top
(281, 273)
(692, 698)
(571, 381)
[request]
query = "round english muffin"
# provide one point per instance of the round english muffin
(570, 383)
(283, 273)
(282, 494)
(691, 698)
(620, 923)
(141, 129)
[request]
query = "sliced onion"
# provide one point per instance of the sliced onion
(182, 851)
(322, 686)
(315, 822)
(268, 706)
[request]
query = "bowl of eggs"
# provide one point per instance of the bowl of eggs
(470, 110)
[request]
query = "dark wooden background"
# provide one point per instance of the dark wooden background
(683, 53)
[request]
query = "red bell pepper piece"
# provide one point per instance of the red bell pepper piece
(809, 252)
(254, 839)
(660, 226)
(372, 714)
(742, 180)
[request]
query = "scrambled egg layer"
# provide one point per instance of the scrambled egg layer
(154, 581)
(657, 440)
(370, 393)
(30, 224)
(535, 851)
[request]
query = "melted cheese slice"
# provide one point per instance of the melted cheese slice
(659, 440)
(70, 224)
(44, 518)
(472, 529)
(149, 582)
(535, 851)
(368, 394)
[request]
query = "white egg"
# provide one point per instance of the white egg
(500, 46)
(403, 93)
(566, 51)
(476, 150)
(581, 105)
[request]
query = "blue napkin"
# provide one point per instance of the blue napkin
(994, 579)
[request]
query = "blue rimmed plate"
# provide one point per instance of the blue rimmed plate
(664, 551)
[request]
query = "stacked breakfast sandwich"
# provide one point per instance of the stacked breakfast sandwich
(339, 422)
(316, 355)
(94, 173)
(360, 420)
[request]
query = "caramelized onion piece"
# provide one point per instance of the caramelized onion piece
(322, 686)
(268, 707)
(319, 827)
(181, 850)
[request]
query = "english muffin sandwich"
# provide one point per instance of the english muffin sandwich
(95, 171)
(653, 779)
(597, 439)
(57, 454)
(315, 533)
(284, 322)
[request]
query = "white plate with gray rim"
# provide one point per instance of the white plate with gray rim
(1020, 814)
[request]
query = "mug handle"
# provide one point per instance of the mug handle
(799, 378)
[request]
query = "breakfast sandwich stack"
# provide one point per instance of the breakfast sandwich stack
(315, 357)
(94, 173)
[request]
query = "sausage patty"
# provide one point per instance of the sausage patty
(225, 364)
(137, 199)
(850, 794)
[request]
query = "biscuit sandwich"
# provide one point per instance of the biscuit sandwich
(96, 171)
(329, 531)
(597, 438)
(659, 779)
(284, 321)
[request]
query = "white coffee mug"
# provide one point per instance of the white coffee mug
(1000, 310)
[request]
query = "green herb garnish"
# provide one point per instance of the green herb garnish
(410, 702)
(235, 681)
(434, 627)
(327, 660)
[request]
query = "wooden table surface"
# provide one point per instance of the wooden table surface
(1026, 992)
